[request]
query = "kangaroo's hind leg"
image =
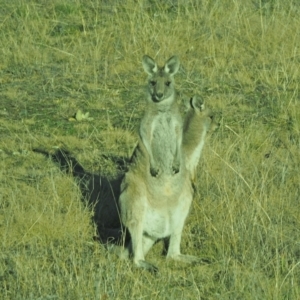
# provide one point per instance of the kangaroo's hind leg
(174, 241)
(132, 203)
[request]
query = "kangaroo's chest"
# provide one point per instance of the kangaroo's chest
(164, 134)
(164, 124)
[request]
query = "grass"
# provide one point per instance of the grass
(61, 56)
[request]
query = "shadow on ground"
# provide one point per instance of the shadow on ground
(99, 192)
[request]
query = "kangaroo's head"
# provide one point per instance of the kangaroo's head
(203, 115)
(161, 81)
(197, 116)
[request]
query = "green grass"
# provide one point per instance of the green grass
(242, 57)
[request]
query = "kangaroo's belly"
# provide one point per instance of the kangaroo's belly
(157, 224)
(166, 209)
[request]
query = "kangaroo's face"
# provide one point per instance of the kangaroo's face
(161, 81)
(199, 115)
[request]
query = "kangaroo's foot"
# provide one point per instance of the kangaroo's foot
(147, 266)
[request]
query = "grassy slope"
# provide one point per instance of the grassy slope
(61, 56)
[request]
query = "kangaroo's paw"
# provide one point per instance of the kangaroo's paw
(176, 167)
(154, 171)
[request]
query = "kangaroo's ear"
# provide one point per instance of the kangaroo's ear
(149, 65)
(172, 65)
(197, 102)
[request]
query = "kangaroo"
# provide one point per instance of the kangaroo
(155, 208)
(198, 121)
(161, 126)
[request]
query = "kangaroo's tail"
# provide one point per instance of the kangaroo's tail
(65, 160)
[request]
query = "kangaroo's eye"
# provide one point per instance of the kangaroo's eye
(168, 83)
(153, 83)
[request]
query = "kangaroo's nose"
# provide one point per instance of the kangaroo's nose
(159, 95)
